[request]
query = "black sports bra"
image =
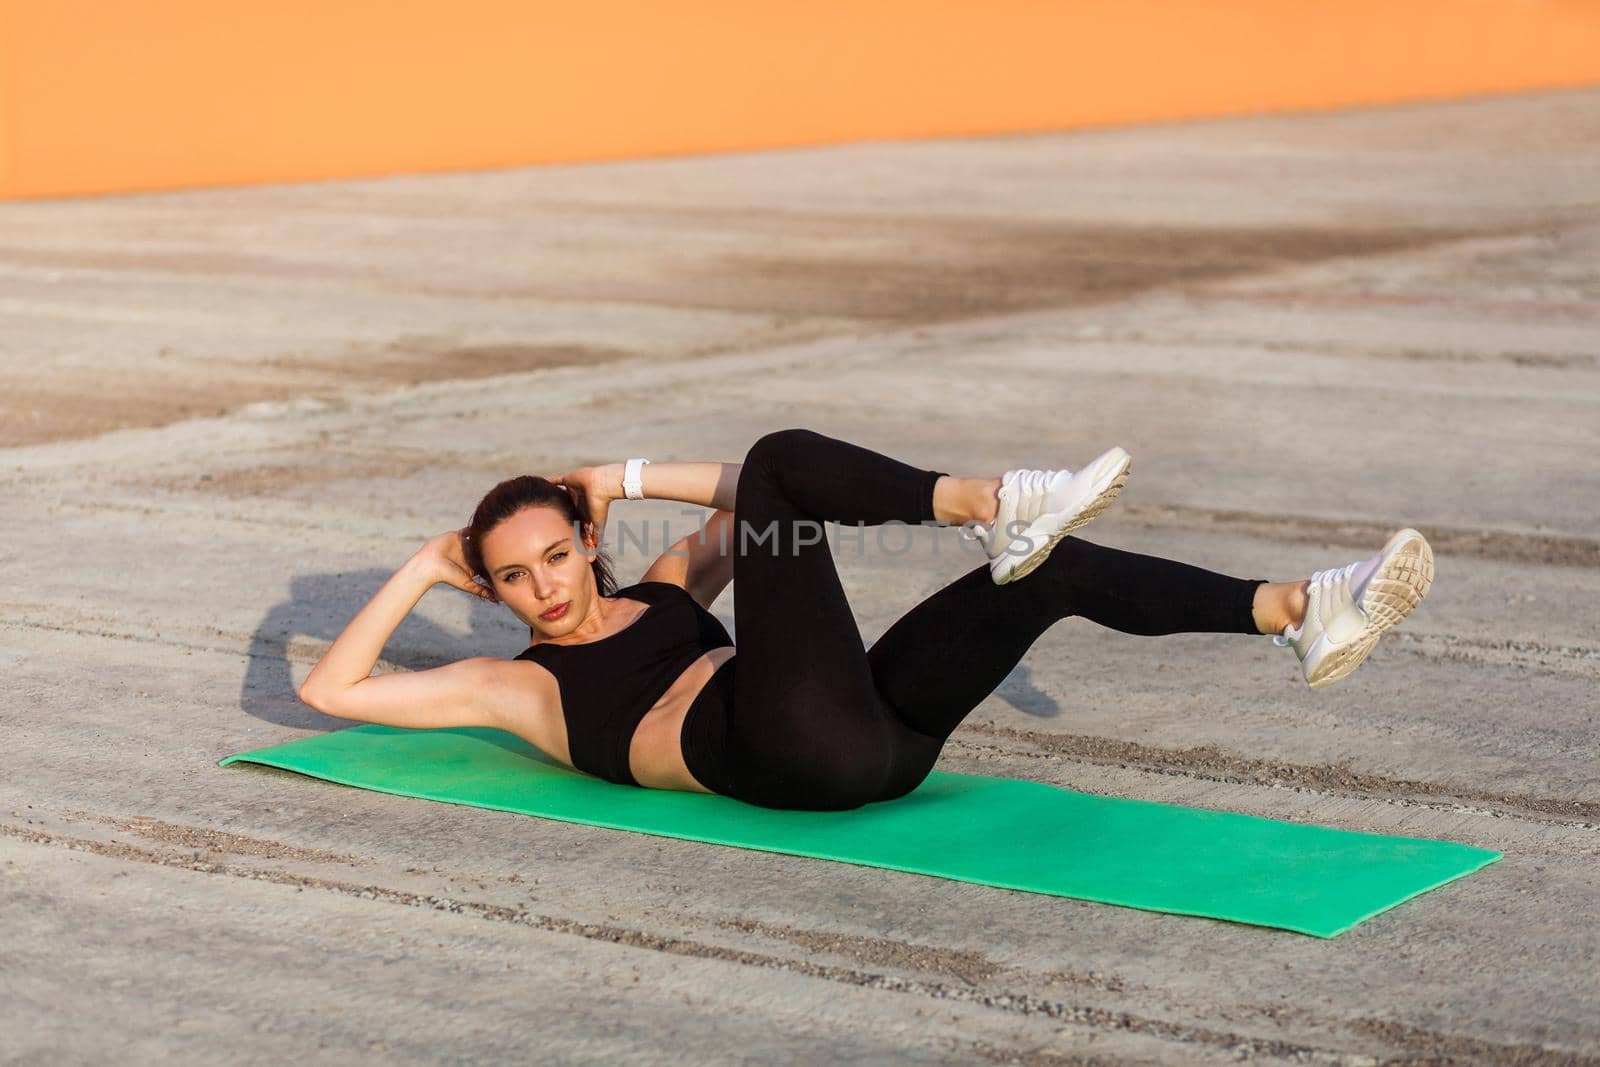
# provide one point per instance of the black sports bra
(609, 685)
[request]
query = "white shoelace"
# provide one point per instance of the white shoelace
(1031, 482)
(1028, 485)
(1326, 580)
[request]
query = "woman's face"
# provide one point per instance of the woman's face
(536, 565)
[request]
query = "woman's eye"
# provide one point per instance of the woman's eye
(557, 556)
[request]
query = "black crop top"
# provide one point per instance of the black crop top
(609, 685)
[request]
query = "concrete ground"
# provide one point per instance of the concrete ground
(227, 415)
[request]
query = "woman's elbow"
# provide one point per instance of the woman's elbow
(320, 699)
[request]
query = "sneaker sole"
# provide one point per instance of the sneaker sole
(1394, 592)
(1098, 503)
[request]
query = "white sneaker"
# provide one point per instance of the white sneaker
(1349, 607)
(1038, 508)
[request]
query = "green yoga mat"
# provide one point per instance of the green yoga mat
(973, 828)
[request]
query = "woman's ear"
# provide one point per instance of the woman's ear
(591, 538)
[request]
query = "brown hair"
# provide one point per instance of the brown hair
(529, 491)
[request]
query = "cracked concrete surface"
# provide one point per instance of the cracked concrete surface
(226, 415)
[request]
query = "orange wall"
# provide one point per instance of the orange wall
(99, 95)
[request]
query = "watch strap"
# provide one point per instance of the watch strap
(632, 486)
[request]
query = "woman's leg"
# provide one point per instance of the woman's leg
(942, 658)
(808, 728)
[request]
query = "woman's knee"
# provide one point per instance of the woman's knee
(777, 447)
(762, 478)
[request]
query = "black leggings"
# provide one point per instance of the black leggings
(804, 716)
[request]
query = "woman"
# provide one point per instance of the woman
(641, 685)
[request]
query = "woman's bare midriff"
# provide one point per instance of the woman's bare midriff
(656, 756)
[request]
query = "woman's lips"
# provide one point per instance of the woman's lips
(556, 612)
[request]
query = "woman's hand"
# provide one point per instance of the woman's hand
(593, 489)
(446, 562)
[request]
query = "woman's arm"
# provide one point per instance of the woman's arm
(708, 484)
(355, 651)
(701, 563)
(350, 659)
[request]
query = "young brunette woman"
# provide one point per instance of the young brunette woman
(642, 685)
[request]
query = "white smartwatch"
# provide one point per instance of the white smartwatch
(632, 487)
